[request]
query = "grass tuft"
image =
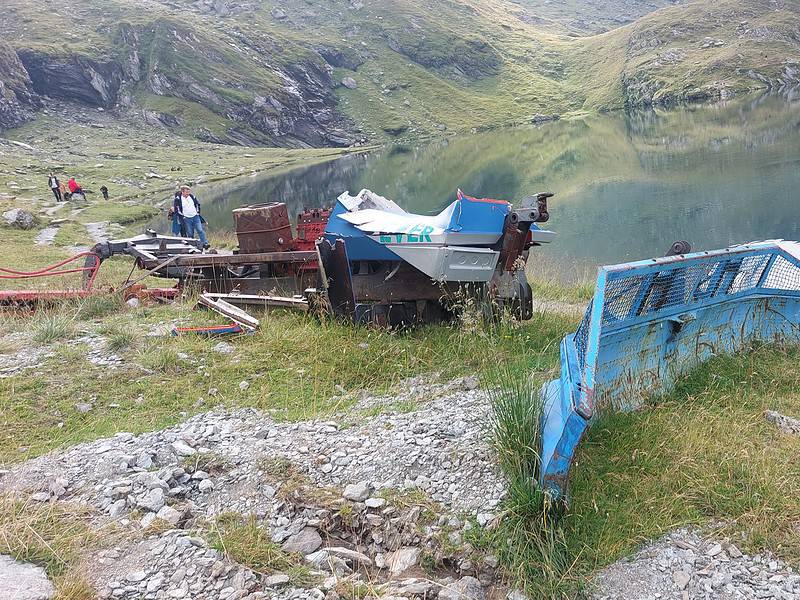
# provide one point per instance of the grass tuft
(50, 535)
(120, 338)
(50, 327)
(161, 359)
(247, 543)
(74, 586)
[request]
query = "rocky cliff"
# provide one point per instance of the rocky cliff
(17, 99)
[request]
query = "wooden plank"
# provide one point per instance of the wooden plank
(228, 310)
(297, 303)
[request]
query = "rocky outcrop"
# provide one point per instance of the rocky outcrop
(73, 77)
(469, 59)
(17, 98)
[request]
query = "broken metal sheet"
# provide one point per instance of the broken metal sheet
(651, 322)
(466, 222)
(366, 200)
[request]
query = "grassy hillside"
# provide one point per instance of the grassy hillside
(273, 72)
(694, 52)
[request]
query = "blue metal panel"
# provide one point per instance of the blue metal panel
(652, 321)
(472, 215)
(359, 245)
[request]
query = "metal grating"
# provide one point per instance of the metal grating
(582, 336)
(651, 290)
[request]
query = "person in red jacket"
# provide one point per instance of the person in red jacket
(74, 188)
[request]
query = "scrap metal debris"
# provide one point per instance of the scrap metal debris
(234, 313)
(367, 260)
(652, 321)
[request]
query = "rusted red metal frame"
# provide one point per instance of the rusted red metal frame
(54, 270)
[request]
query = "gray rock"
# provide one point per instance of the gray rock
(181, 448)
(169, 514)
(224, 348)
(117, 509)
(144, 460)
(305, 542)
(351, 555)
(374, 502)
(786, 424)
(516, 594)
(21, 219)
(205, 485)
(23, 581)
(276, 580)
(136, 576)
(153, 501)
(357, 492)
(466, 588)
(402, 559)
(681, 579)
(83, 407)
(471, 383)
(350, 83)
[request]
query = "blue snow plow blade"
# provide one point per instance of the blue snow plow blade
(654, 320)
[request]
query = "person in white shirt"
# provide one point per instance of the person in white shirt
(55, 185)
(186, 206)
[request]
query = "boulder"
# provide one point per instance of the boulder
(21, 219)
(23, 581)
(350, 83)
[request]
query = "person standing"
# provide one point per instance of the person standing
(104, 191)
(55, 185)
(188, 210)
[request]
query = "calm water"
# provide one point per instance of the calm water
(626, 186)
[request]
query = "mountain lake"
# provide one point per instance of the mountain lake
(626, 185)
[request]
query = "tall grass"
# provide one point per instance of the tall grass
(529, 541)
(515, 428)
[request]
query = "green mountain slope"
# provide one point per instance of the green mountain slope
(299, 73)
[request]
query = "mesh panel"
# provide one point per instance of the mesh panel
(582, 336)
(783, 275)
(629, 295)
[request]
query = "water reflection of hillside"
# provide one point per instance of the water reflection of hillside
(627, 185)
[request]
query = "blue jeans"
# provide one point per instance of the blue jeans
(195, 224)
(177, 226)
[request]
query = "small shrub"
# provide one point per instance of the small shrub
(121, 338)
(50, 327)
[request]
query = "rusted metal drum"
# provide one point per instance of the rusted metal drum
(263, 228)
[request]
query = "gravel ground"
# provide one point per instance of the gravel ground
(683, 565)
